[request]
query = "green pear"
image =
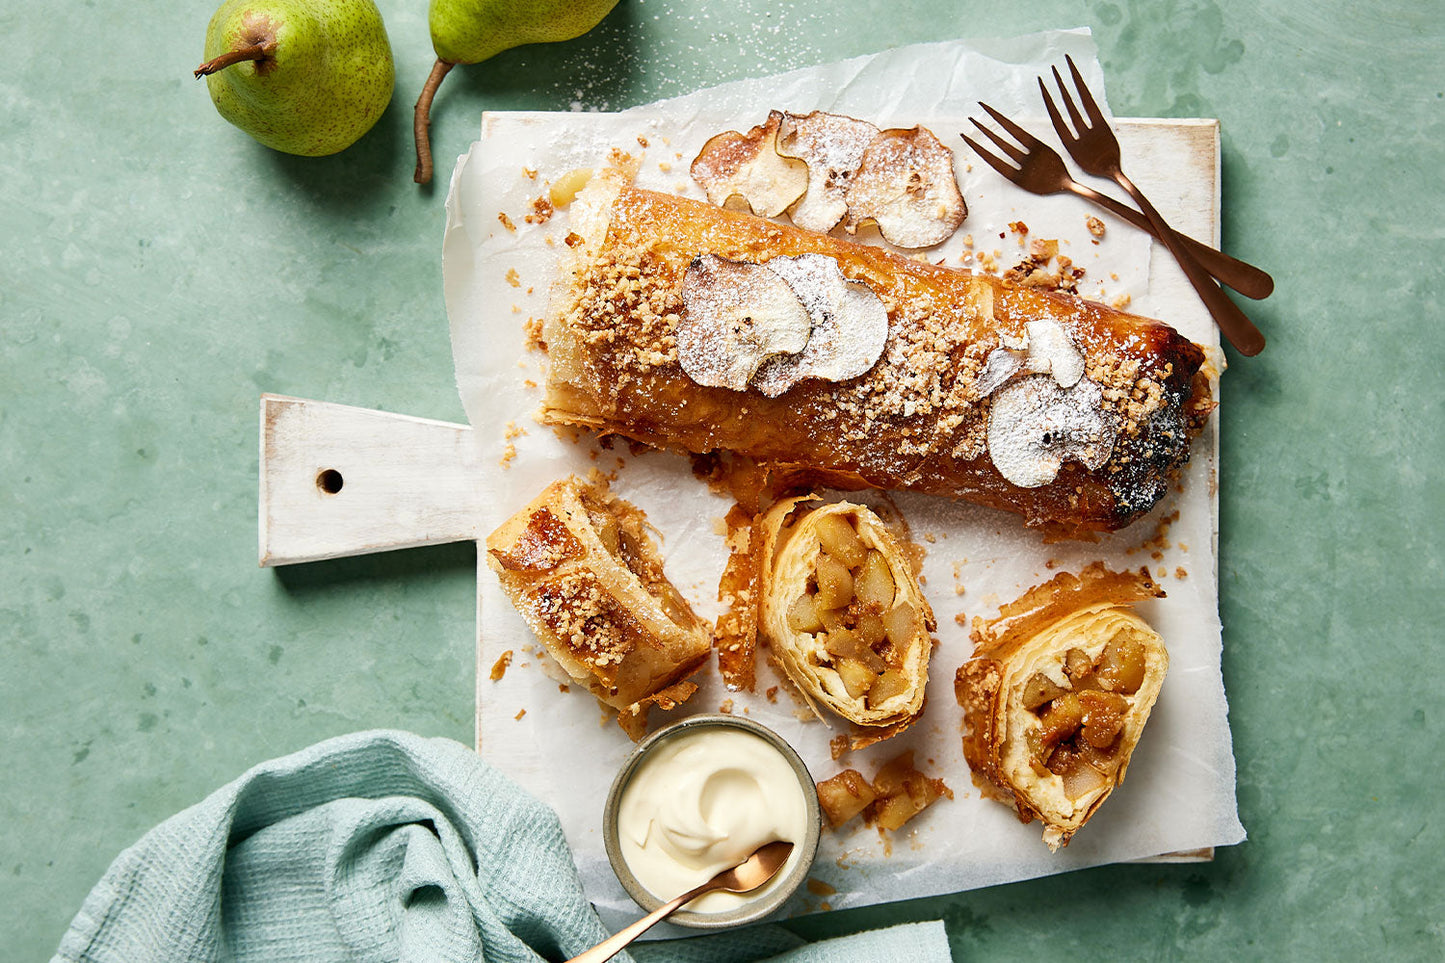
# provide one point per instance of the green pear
(470, 31)
(302, 76)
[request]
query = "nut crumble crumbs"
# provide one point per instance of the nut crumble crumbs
(506, 221)
(541, 211)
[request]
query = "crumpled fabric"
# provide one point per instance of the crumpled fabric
(387, 846)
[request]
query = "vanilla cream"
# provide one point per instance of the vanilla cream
(701, 802)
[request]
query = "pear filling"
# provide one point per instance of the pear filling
(850, 609)
(621, 532)
(1081, 718)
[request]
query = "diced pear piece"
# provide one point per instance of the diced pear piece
(1040, 689)
(874, 584)
(835, 582)
(840, 540)
(857, 677)
(900, 623)
(891, 683)
(803, 615)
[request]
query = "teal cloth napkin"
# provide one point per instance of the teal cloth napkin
(387, 846)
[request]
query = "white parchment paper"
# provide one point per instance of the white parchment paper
(497, 267)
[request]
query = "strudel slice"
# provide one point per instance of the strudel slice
(580, 568)
(678, 324)
(1057, 695)
(843, 614)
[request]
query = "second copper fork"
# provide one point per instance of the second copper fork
(1092, 144)
(1041, 170)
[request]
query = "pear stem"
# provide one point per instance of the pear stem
(256, 51)
(421, 120)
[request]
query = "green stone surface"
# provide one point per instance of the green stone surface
(159, 270)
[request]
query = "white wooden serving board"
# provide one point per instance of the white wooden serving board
(339, 481)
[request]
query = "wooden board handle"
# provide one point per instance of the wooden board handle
(339, 481)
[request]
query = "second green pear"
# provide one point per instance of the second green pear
(470, 31)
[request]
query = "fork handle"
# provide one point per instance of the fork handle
(1244, 277)
(1233, 323)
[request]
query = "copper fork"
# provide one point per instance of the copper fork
(1041, 170)
(1095, 148)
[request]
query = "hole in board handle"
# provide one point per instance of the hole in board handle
(329, 480)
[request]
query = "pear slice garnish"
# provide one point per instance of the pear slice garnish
(907, 186)
(735, 316)
(747, 170)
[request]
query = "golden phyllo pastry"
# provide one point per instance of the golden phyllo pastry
(680, 324)
(580, 568)
(1057, 695)
(842, 613)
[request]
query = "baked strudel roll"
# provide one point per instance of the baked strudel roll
(680, 324)
(1057, 695)
(580, 568)
(842, 613)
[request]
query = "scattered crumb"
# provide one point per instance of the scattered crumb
(1180, 574)
(771, 694)
(499, 668)
(664, 166)
(529, 384)
(541, 211)
(1019, 228)
(506, 221)
(520, 714)
(1095, 226)
(530, 173)
(514, 279)
(961, 619)
(563, 687)
(819, 888)
(726, 708)
(641, 141)
(1121, 302)
(533, 331)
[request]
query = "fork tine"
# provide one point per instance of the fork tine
(997, 163)
(1012, 151)
(1074, 115)
(1085, 97)
(1053, 110)
(1018, 133)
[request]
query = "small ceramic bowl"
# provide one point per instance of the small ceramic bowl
(753, 910)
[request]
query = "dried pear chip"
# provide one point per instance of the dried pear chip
(736, 315)
(906, 185)
(832, 145)
(849, 325)
(1035, 425)
(748, 166)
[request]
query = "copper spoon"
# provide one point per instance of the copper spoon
(745, 877)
